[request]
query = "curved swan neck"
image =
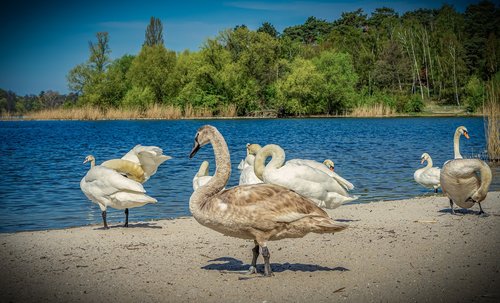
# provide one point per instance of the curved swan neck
(456, 145)
(220, 177)
(203, 171)
(429, 162)
(92, 163)
(277, 155)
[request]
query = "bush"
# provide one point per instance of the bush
(474, 91)
(414, 104)
(138, 98)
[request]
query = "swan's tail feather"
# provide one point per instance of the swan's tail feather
(334, 200)
(327, 225)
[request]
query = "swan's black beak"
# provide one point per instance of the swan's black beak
(195, 149)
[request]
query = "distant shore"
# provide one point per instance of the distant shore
(393, 251)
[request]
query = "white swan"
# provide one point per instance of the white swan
(311, 182)
(247, 175)
(107, 187)
(140, 163)
(465, 181)
(262, 212)
(201, 178)
(428, 176)
(328, 167)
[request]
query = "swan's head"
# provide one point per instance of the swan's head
(89, 158)
(463, 131)
(424, 157)
(252, 149)
(202, 138)
(329, 163)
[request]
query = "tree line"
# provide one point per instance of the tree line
(319, 67)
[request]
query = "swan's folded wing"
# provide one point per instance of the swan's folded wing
(431, 175)
(321, 167)
(270, 203)
(109, 181)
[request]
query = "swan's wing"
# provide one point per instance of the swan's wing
(320, 166)
(149, 157)
(270, 203)
(105, 181)
(432, 175)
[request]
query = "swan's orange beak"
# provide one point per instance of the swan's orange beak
(422, 161)
(466, 135)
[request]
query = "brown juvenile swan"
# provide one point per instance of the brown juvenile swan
(262, 212)
(460, 180)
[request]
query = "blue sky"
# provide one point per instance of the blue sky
(42, 40)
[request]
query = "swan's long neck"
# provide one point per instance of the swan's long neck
(456, 145)
(92, 163)
(277, 159)
(429, 162)
(219, 180)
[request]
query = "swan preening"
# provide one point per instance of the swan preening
(427, 176)
(107, 187)
(465, 181)
(138, 165)
(262, 212)
(307, 177)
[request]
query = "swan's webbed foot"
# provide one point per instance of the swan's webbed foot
(267, 266)
(126, 218)
(481, 211)
(103, 214)
(252, 270)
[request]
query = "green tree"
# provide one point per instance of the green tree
(340, 79)
(154, 33)
(269, 29)
(153, 67)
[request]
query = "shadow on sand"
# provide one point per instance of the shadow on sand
(133, 225)
(232, 265)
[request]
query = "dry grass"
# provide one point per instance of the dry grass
(163, 112)
(491, 111)
(376, 110)
(197, 112)
(83, 113)
(229, 111)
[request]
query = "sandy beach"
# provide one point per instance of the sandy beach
(393, 251)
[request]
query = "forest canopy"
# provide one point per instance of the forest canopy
(316, 68)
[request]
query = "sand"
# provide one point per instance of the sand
(394, 251)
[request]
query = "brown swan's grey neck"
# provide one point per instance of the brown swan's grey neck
(220, 177)
(456, 145)
(277, 155)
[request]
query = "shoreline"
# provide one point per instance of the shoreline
(416, 115)
(398, 250)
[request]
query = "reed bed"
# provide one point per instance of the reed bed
(491, 111)
(163, 112)
(376, 110)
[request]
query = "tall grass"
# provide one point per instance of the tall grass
(491, 111)
(375, 110)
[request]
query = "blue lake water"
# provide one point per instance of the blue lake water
(41, 165)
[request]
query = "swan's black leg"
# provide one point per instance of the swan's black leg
(451, 206)
(435, 190)
(253, 266)
(267, 266)
(481, 211)
(126, 218)
(104, 220)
